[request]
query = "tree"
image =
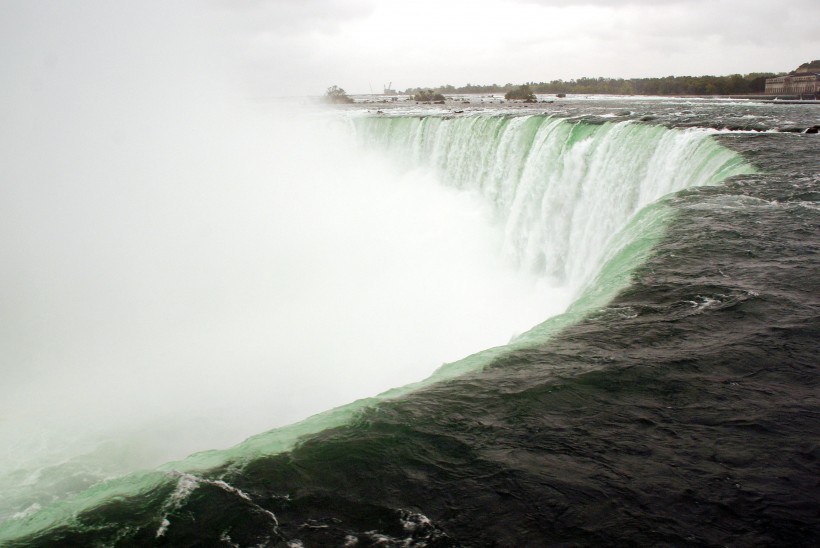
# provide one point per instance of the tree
(523, 93)
(427, 96)
(335, 94)
(810, 66)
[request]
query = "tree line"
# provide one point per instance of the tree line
(735, 84)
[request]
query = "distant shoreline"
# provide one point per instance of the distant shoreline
(734, 84)
(547, 98)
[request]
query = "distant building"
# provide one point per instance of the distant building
(803, 81)
(793, 85)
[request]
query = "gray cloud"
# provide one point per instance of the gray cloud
(610, 3)
(295, 16)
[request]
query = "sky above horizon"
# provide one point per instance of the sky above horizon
(300, 47)
(364, 44)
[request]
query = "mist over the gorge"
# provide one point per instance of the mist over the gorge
(185, 262)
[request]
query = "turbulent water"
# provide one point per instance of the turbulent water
(675, 402)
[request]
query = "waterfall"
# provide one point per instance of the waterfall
(560, 189)
(572, 204)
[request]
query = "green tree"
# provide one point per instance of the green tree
(428, 96)
(626, 88)
(335, 94)
(522, 93)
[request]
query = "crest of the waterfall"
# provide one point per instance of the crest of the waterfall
(560, 190)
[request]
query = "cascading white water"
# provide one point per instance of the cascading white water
(560, 189)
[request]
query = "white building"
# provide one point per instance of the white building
(803, 81)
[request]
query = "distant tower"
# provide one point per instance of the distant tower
(388, 89)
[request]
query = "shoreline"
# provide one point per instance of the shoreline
(473, 99)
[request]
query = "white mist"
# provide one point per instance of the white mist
(182, 269)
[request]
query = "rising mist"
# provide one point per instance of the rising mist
(184, 266)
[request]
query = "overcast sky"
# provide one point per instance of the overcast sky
(295, 47)
(303, 45)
